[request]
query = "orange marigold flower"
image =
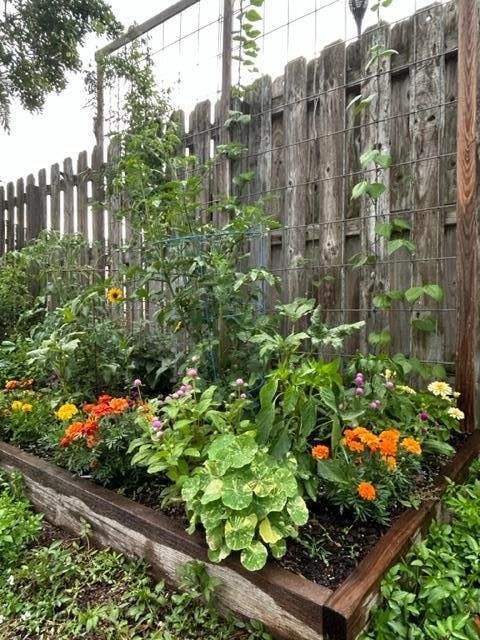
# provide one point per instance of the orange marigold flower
(358, 432)
(411, 445)
(90, 427)
(388, 441)
(354, 445)
(371, 441)
(11, 384)
(87, 408)
(91, 441)
(320, 452)
(118, 405)
(104, 398)
(367, 491)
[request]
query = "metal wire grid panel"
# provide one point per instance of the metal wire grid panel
(304, 147)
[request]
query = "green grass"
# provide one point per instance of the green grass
(60, 588)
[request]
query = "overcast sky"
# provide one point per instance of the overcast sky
(186, 55)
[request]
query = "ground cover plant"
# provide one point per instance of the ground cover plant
(54, 586)
(434, 592)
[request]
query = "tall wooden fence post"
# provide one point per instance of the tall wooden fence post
(468, 335)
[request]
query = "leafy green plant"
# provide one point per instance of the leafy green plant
(18, 526)
(433, 594)
(245, 499)
(177, 441)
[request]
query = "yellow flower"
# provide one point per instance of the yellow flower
(114, 295)
(440, 389)
(17, 405)
(178, 326)
(453, 412)
(26, 408)
(66, 411)
(406, 389)
(456, 394)
(411, 445)
(389, 374)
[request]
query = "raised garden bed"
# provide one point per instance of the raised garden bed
(290, 606)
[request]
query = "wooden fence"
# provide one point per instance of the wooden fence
(304, 147)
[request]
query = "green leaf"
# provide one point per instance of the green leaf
(279, 549)
(327, 469)
(285, 479)
(427, 324)
(359, 189)
(252, 15)
(213, 491)
(239, 531)
(190, 488)
(395, 245)
(266, 416)
(434, 291)
(254, 557)
(257, 3)
(217, 555)
(234, 451)
(382, 301)
(269, 534)
(375, 189)
(401, 225)
(237, 493)
(384, 229)
(381, 339)
(413, 294)
(298, 511)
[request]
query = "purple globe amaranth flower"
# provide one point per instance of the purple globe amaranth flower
(375, 404)
(243, 396)
(360, 377)
(159, 434)
(168, 398)
(157, 424)
(359, 391)
(240, 382)
(175, 396)
(424, 416)
(180, 393)
(188, 387)
(390, 385)
(137, 382)
(192, 373)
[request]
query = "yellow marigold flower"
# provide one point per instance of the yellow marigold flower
(440, 389)
(320, 452)
(406, 389)
(367, 491)
(17, 405)
(411, 445)
(26, 407)
(453, 412)
(66, 411)
(391, 463)
(114, 295)
(389, 374)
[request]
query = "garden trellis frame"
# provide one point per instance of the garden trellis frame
(305, 147)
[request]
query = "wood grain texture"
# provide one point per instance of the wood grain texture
(346, 612)
(20, 205)
(10, 227)
(468, 334)
(295, 131)
(289, 605)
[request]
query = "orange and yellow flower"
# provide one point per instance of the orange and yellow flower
(11, 384)
(367, 491)
(320, 452)
(411, 445)
(391, 463)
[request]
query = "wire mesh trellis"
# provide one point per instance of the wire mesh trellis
(304, 145)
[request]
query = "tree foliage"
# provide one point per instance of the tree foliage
(39, 45)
